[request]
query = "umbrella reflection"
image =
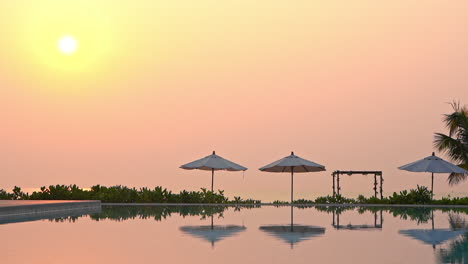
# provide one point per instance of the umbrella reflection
(213, 233)
(432, 236)
(292, 233)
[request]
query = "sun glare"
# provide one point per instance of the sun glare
(68, 41)
(68, 45)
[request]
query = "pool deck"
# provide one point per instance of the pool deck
(43, 209)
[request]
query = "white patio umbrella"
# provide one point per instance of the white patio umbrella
(432, 164)
(293, 164)
(213, 163)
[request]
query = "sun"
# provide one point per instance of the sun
(68, 45)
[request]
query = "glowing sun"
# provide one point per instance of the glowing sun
(68, 45)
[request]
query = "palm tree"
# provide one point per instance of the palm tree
(455, 144)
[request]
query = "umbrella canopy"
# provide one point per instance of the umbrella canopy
(293, 163)
(432, 237)
(213, 163)
(432, 164)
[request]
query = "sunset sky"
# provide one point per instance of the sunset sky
(155, 84)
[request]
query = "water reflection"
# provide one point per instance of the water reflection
(378, 222)
(213, 233)
(291, 233)
(170, 229)
(420, 215)
(456, 250)
(55, 216)
(157, 213)
(432, 236)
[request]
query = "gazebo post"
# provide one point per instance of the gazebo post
(337, 220)
(381, 188)
(381, 217)
(333, 177)
(338, 183)
(333, 221)
(375, 185)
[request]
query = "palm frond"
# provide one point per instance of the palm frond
(456, 221)
(455, 144)
(457, 178)
(457, 120)
(455, 149)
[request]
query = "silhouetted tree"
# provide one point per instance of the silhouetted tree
(455, 144)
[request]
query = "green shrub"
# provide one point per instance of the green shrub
(238, 200)
(337, 199)
(4, 195)
(371, 200)
(278, 202)
(420, 195)
(123, 194)
(18, 194)
(303, 201)
(452, 201)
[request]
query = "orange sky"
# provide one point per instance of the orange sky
(155, 84)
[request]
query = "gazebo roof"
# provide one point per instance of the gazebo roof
(357, 172)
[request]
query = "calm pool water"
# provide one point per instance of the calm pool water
(267, 234)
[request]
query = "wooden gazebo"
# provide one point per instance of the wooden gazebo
(336, 174)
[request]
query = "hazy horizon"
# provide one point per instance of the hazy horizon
(360, 85)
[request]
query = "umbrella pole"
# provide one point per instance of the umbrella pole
(292, 219)
(432, 187)
(432, 218)
(292, 184)
(212, 179)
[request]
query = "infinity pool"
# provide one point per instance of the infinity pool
(267, 234)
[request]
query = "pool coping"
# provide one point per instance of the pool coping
(48, 206)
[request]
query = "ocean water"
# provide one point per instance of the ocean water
(217, 234)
